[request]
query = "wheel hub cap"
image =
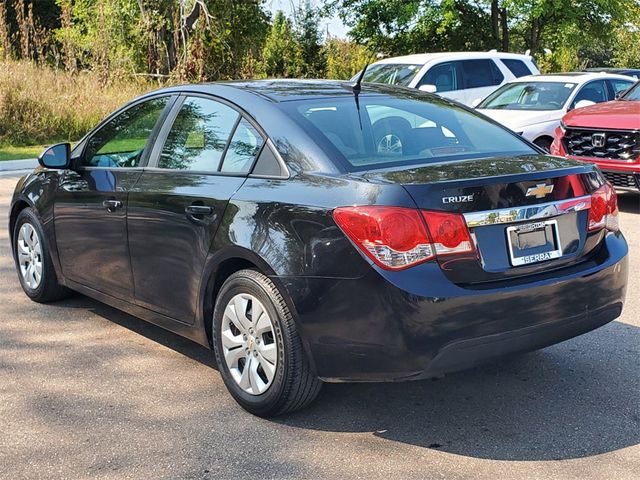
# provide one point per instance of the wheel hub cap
(248, 344)
(29, 255)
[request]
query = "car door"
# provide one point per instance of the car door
(91, 200)
(204, 153)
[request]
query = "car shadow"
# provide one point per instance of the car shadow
(157, 334)
(575, 399)
(629, 202)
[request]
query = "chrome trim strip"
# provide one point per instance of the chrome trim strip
(528, 212)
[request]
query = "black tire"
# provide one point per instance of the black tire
(294, 385)
(544, 143)
(49, 289)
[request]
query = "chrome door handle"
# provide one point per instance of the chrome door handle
(198, 210)
(112, 205)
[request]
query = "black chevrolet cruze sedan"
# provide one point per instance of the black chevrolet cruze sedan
(312, 231)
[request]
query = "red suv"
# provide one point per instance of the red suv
(607, 134)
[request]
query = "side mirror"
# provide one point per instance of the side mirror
(476, 102)
(584, 103)
(428, 88)
(56, 157)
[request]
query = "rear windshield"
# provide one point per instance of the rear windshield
(529, 96)
(392, 73)
(381, 131)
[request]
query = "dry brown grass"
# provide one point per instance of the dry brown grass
(40, 105)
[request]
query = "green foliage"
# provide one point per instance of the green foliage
(282, 54)
(344, 59)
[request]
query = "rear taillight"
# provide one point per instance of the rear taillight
(449, 232)
(396, 237)
(604, 209)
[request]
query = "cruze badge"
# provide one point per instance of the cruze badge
(541, 190)
(458, 199)
(598, 140)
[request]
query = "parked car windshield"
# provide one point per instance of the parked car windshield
(392, 73)
(378, 131)
(529, 96)
(633, 93)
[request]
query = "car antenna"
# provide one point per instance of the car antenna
(357, 88)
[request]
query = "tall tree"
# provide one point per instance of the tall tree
(281, 52)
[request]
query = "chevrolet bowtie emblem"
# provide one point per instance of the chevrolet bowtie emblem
(541, 190)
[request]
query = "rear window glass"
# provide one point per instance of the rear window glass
(381, 131)
(391, 73)
(517, 67)
(481, 73)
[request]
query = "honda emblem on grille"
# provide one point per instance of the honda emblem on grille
(541, 190)
(598, 140)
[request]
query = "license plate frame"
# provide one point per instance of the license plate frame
(534, 254)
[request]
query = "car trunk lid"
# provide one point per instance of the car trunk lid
(525, 214)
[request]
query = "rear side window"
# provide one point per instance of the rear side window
(517, 67)
(404, 129)
(198, 136)
(619, 86)
(243, 148)
(481, 73)
(444, 76)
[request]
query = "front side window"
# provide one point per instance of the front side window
(481, 73)
(122, 140)
(198, 136)
(443, 76)
(529, 96)
(404, 129)
(595, 92)
(391, 73)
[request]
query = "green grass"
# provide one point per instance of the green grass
(19, 153)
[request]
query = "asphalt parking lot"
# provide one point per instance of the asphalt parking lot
(88, 391)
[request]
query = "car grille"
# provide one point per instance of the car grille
(611, 144)
(626, 180)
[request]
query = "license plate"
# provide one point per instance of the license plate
(533, 242)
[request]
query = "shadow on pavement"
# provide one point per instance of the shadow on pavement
(629, 202)
(575, 399)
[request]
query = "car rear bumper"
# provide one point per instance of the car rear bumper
(392, 326)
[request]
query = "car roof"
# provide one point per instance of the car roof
(281, 90)
(422, 58)
(570, 77)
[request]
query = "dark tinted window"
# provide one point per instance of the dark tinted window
(267, 164)
(517, 67)
(245, 145)
(595, 92)
(443, 76)
(122, 140)
(481, 73)
(198, 136)
(400, 130)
